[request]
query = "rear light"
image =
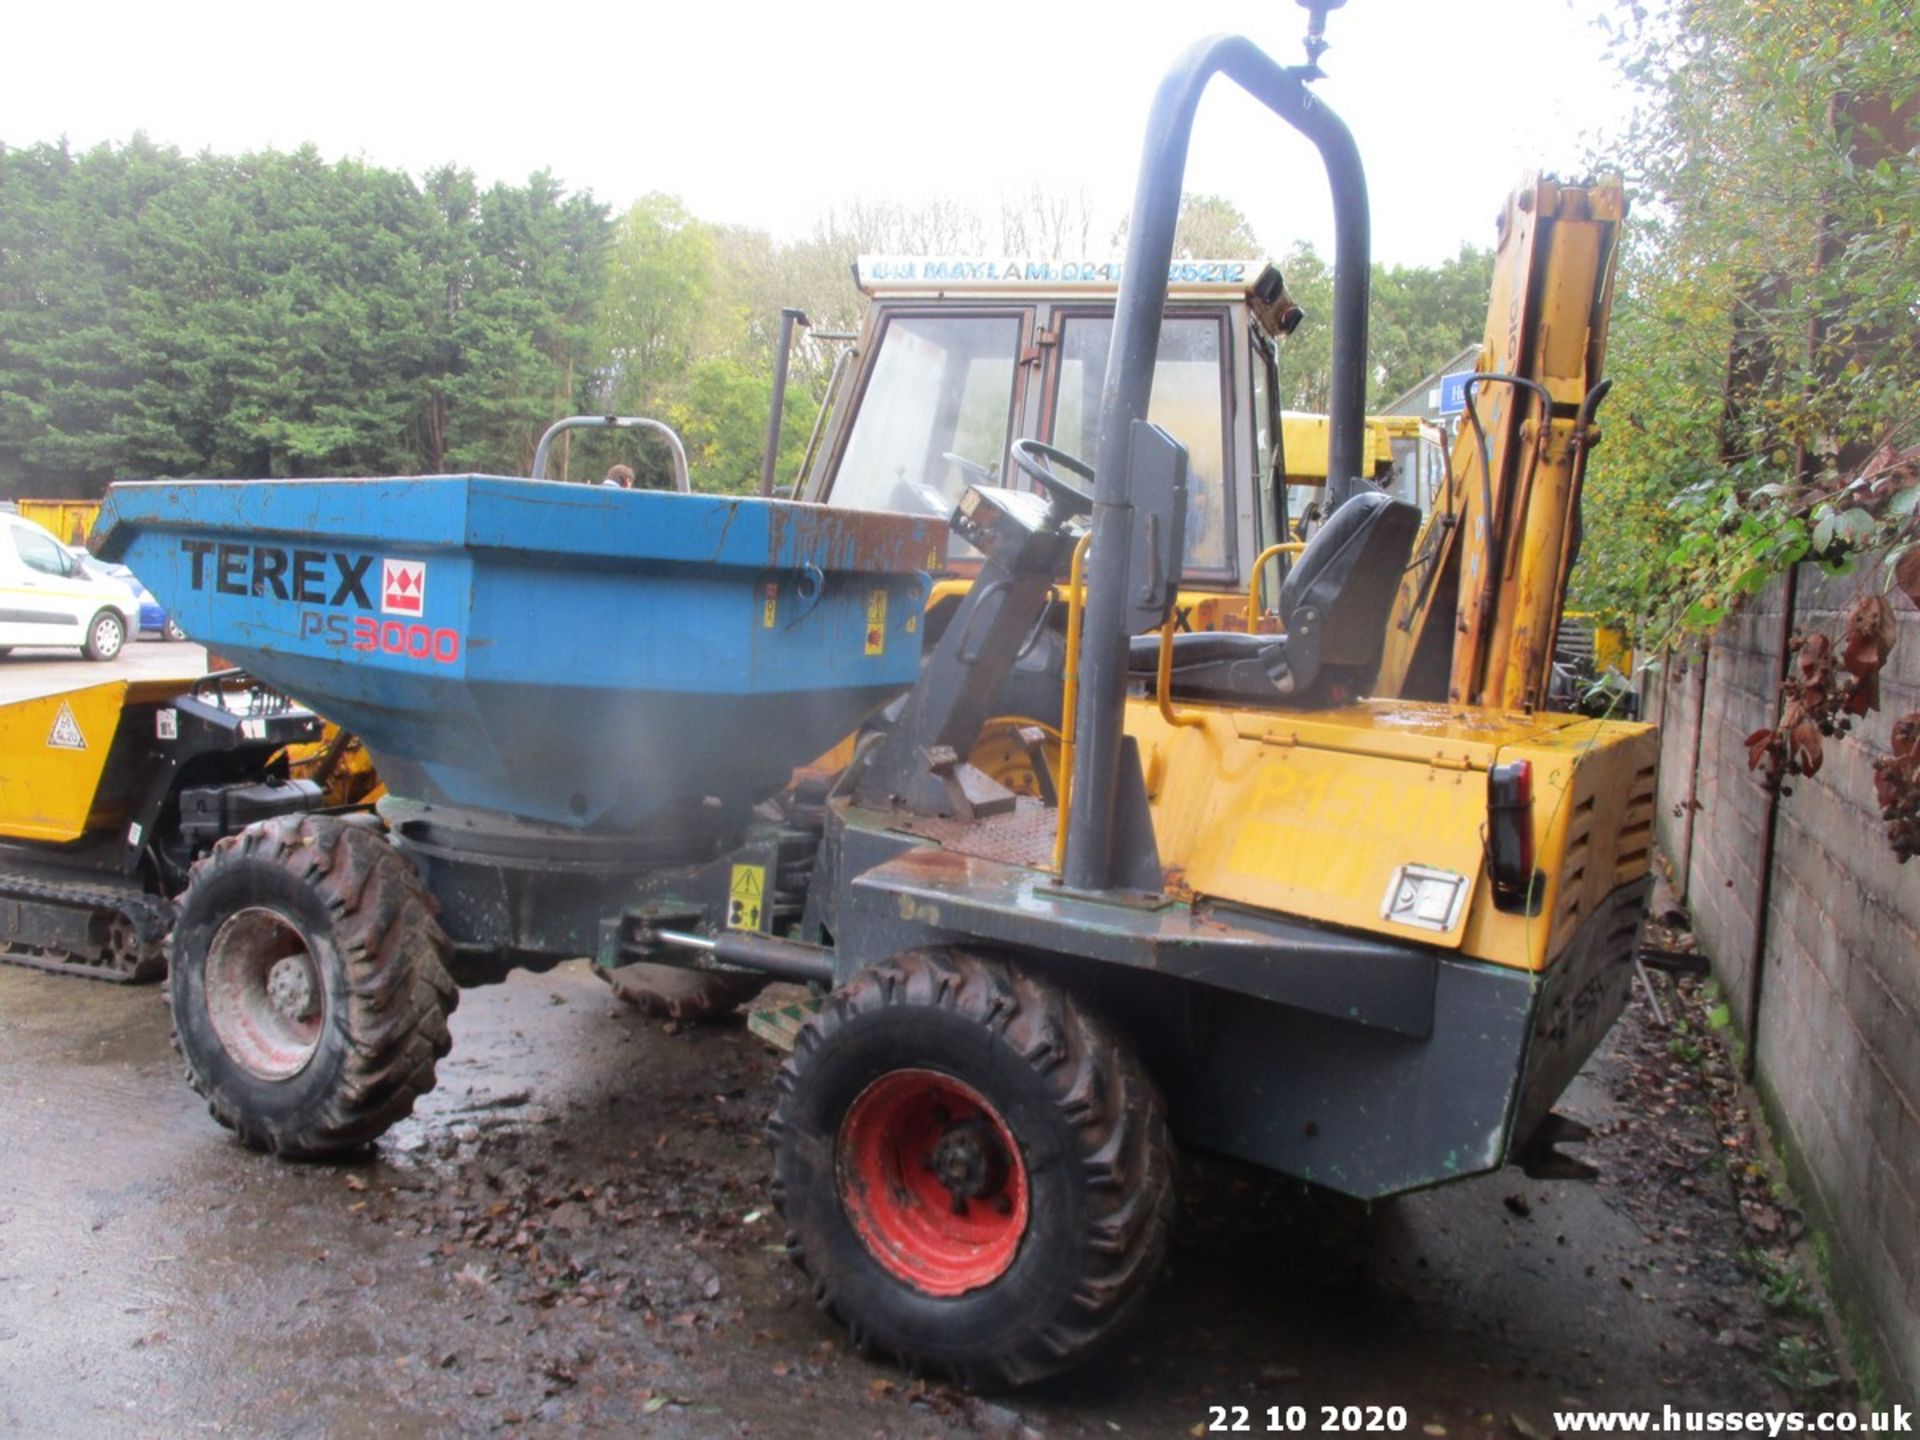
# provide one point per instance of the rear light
(1516, 885)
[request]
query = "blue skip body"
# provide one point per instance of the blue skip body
(575, 654)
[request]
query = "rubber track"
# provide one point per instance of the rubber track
(147, 919)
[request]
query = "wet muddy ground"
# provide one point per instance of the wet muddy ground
(573, 1236)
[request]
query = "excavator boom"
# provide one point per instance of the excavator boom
(1475, 618)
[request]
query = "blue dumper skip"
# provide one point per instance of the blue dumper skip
(575, 654)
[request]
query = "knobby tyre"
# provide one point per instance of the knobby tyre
(975, 1173)
(308, 985)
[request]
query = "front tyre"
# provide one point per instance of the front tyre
(975, 1174)
(308, 985)
(106, 636)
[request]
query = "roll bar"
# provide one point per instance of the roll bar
(614, 422)
(1102, 676)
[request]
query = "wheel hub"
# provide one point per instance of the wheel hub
(932, 1182)
(290, 987)
(969, 1162)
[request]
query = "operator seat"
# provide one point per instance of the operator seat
(1334, 604)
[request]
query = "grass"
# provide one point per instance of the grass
(1783, 1289)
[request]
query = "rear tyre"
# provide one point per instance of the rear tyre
(106, 636)
(975, 1174)
(172, 631)
(308, 985)
(672, 992)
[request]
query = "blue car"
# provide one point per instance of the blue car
(154, 620)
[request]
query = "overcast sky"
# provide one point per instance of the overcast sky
(765, 114)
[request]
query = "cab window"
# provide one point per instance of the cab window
(1189, 403)
(40, 552)
(939, 401)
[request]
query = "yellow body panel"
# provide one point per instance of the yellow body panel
(1311, 813)
(53, 752)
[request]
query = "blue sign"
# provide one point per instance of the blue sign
(1453, 392)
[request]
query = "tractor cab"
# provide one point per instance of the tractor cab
(957, 359)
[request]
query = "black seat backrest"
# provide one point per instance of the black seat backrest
(1337, 597)
(1335, 605)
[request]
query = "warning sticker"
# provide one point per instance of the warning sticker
(66, 731)
(768, 606)
(166, 723)
(877, 622)
(746, 897)
(403, 587)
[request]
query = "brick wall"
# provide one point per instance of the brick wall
(1836, 1041)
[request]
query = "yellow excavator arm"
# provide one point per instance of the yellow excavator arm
(1475, 618)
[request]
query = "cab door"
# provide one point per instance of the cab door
(1193, 400)
(41, 602)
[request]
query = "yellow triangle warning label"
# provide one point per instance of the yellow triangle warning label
(66, 731)
(748, 887)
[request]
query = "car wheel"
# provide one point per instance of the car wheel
(106, 636)
(172, 631)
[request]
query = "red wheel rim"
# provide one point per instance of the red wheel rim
(933, 1182)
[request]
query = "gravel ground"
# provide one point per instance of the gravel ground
(573, 1236)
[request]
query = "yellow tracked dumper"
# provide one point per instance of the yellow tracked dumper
(107, 796)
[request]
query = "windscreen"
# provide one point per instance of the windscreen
(1189, 403)
(936, 414)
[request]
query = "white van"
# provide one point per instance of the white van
(47, 597)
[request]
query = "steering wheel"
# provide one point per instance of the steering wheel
(1038, 460)
(973, 470)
